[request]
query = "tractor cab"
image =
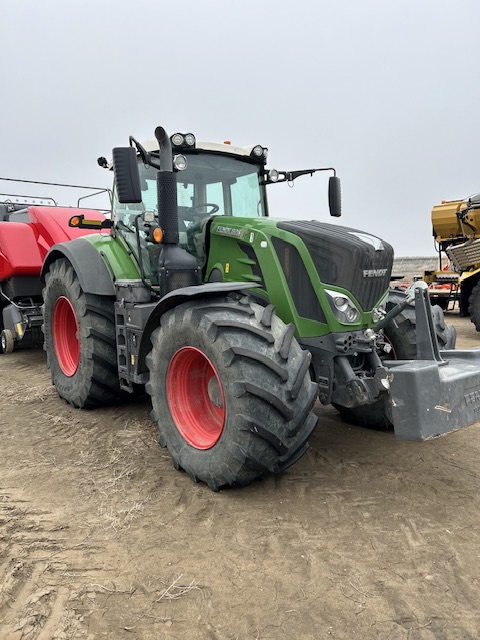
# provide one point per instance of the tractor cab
(211, 180)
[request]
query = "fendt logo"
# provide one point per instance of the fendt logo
(374, 273)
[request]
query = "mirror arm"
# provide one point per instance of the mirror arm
(146, 157)
(290, 176)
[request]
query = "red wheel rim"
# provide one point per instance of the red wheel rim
(195, 397)
(65, 336)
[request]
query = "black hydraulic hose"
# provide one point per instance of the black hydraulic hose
(393, 313)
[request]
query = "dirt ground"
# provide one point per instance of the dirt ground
(366, 537)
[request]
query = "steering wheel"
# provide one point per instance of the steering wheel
(193, 212)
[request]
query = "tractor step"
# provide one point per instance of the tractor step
(431, 398)
(130, 320)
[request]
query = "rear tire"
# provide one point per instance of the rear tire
(79, 331)
(231, 391)
(401, 334)
(474, 306)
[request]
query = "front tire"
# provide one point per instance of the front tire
(79, 332)
(230, 390)
(401, 332)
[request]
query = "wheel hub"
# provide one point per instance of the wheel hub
(195, 397)
(66, 337)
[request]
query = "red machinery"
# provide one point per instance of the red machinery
(29, 226)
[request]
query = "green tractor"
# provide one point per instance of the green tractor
(236, 323)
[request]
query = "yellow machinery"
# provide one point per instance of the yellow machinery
(456, 229)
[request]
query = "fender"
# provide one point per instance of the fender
(93, 274)
(178, 297)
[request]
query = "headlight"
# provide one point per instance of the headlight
(340, 302)
(344, 310)
(180, 162)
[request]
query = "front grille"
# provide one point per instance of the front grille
(347, 258)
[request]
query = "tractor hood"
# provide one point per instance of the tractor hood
(347, 258)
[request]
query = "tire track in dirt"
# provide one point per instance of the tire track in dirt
(31, 570)
(47, 590)
(48, 584)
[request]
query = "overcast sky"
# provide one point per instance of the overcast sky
(387, 91)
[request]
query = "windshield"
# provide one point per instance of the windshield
(226, 184)
(212, 184)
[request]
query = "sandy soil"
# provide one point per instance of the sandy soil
(366, 537)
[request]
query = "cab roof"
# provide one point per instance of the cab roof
(152, 145)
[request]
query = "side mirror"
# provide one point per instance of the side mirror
(127, 178)
(334, 197)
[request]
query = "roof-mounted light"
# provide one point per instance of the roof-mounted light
(177, 140)
(259, 152)
(190, 140)
(183, 140)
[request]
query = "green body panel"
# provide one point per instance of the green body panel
(229, 234)
(116, 255)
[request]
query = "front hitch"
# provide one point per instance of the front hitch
(440, 391)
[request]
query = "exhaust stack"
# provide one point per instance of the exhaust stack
(167, 190)
(177, 268)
